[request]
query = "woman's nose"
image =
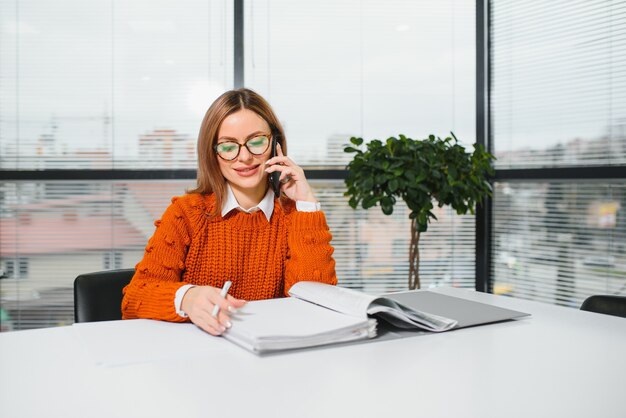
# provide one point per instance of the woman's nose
(244, 154)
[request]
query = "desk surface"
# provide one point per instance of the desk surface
(558, 363)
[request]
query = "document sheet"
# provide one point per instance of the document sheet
(288, 323)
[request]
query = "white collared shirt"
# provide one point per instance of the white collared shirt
(266, 205)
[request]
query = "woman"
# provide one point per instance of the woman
(231, 226)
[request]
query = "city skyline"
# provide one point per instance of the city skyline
(175, 149)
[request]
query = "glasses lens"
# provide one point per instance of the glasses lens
(228, 150)
(258, 145)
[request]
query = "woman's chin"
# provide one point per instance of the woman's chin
(249, 183)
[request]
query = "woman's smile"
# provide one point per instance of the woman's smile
(248, 170)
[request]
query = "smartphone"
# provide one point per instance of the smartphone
(274, 178)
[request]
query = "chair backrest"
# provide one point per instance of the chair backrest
(606, 304)
(98, 296)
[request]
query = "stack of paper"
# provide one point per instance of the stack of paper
(289, 323)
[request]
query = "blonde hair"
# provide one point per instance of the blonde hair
(209, 177)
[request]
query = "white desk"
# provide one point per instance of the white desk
(558, 363)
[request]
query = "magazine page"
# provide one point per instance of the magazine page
(351, 302)
(405, 317)
(347, 301)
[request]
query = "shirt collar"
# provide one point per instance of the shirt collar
(266, 205)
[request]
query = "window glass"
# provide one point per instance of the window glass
(559, 242)
(558, 99)
(124, 85)
(558, 87)
(114, 220)
(101, 84)
(335, 69)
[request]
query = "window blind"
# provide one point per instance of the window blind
(558, 100)
(51, 232)
(558, 83)
(109, 84)
(59, 230)
(336, 69)
(559, 242)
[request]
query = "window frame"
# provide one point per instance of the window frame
(484, 213)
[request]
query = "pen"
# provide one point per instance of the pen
(223, 293)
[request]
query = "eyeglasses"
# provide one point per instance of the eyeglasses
(230, 150)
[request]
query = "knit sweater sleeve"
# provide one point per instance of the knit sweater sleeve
(310, 255)
(152, 290)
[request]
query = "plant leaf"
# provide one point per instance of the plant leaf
(356, 141)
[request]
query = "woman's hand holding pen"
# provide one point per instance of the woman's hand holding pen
(295, 185)
(200, 302)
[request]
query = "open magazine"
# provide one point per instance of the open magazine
(319, 314)
(351, 302)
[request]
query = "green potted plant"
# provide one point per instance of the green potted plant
(419, 172)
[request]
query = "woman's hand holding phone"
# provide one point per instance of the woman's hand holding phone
(294, 183)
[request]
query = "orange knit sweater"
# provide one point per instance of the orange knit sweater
(263, 259)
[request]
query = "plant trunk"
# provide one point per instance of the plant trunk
(414, 257)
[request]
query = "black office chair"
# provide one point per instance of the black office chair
(605, 304)
(98, 296)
